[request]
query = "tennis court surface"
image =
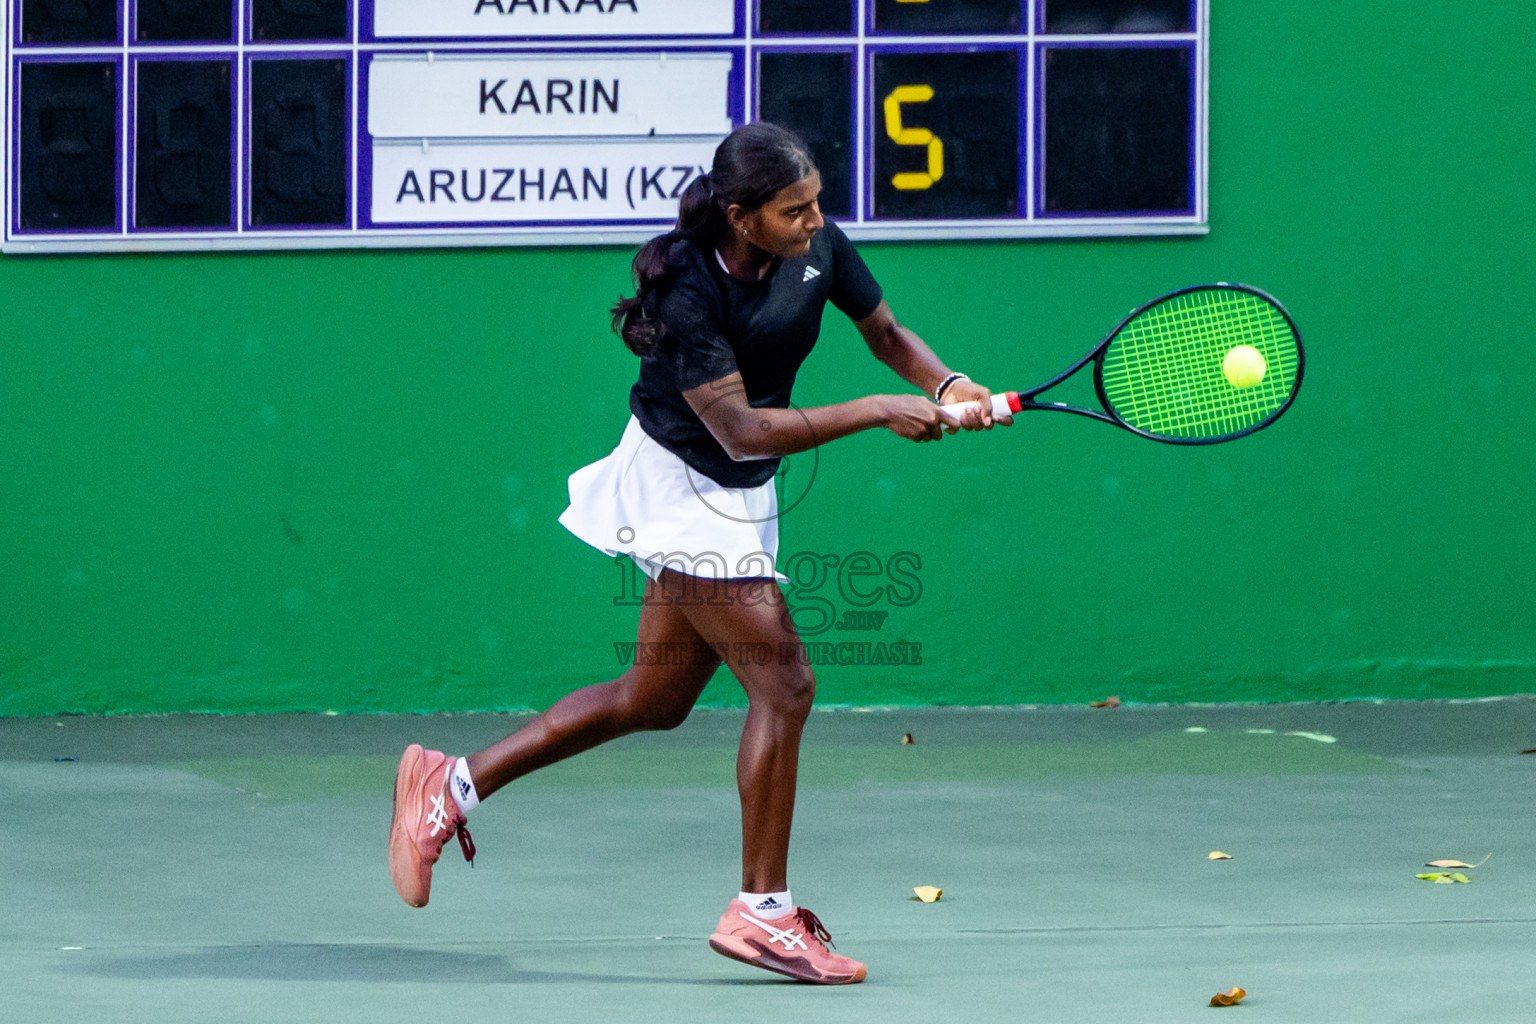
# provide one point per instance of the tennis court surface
(232, 869)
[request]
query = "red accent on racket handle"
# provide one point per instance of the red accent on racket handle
(1002, 405)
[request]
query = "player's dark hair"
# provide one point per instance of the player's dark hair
(752, 165)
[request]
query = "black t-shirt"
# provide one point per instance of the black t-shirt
(717, 325)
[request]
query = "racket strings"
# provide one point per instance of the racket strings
(1163, 373)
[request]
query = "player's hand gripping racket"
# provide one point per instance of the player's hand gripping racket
(1197, 366)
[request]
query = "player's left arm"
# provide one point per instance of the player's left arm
(899, 347)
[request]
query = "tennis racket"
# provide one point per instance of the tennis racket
(1200, 365)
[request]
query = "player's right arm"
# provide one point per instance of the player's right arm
(748, 433)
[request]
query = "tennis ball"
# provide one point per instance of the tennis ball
(1244, 366)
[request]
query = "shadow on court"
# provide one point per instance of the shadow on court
(342, 962)
(194, 868)
(325, 962)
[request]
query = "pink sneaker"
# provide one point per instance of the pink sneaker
(425, 816)
(793, 945)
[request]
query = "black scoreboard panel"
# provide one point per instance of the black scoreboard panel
(318, 20)
(949, 149)
(1114, 128)
(1105, 17)
(182, 143)
(67, 170)
(813, 92)
(69, 21)
(144, 124)
(298, 142)
(185, 21)
(803, 16)
(1002, 17)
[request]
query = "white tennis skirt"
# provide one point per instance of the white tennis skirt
(645, 502)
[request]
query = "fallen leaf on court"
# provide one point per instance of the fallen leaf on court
(1530, 751)
(1444, 877)
(928, 894)
(907, 738)
(1228, 998)
(1107, 702)
(1456, 863)
(1218, 855)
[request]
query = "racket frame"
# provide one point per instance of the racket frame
(1025, 400)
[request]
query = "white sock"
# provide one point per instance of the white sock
(463, 787)
(768, 905)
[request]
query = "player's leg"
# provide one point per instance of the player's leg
(748, 620)
(646, 696)
(433, 790)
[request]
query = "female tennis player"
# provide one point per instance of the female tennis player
(728, 305)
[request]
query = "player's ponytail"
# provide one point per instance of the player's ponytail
(752, 165)
(700, 213)
(700, 219)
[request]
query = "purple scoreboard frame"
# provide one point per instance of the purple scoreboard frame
(744, 45)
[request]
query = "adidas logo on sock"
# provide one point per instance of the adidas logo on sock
(768, 904)
(463, 787)
(810, 273)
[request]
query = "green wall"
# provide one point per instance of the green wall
(330, 480)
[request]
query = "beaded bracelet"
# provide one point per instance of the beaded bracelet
(938, 392)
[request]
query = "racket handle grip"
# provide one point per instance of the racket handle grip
(1005, 404)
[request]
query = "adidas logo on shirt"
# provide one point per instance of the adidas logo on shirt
(770, 903)
(811, 273)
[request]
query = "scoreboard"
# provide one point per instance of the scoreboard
(200, 124)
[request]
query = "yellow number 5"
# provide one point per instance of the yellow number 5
(911, 181)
